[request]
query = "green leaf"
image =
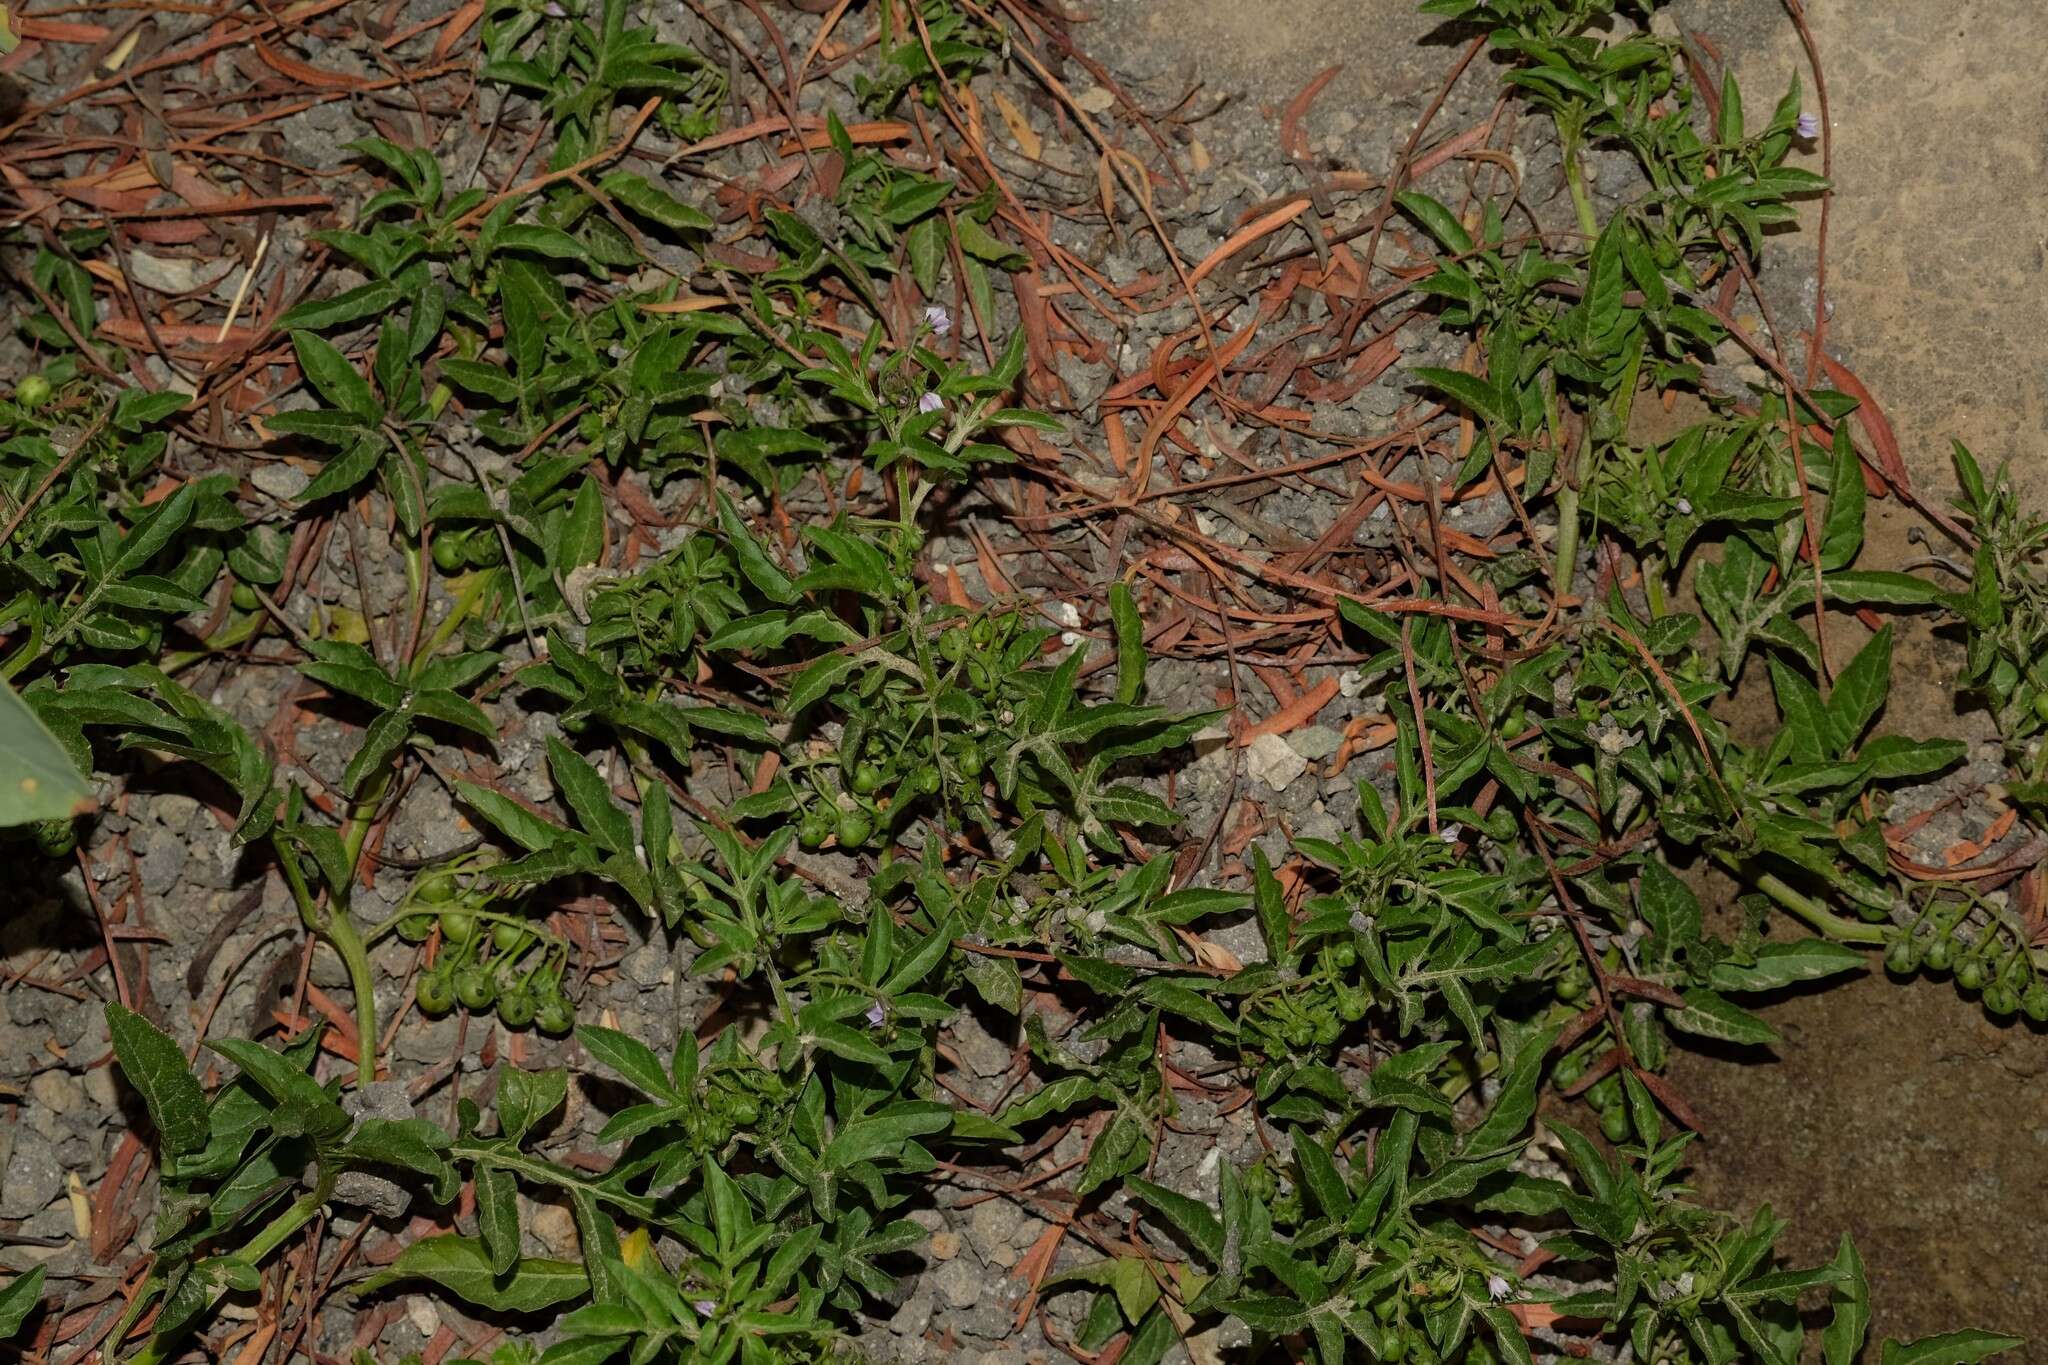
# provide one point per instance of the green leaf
(462, 1267)
(18, 1300)
(1130, 643)
(1194, 1221)
(651, 201)
(530, 831)
(497, 1216)
(1860, 691)
(1950, 1348)
(302, 1106)
(1841, 1341)
(411, 1144)
(334, 377)
(1782, 964)
(527, 1097)
(1711, 1015)
(136, 409)
(589, 797)
(37, 779)
(631, 1059)
(1470, 391)
(885, 1133)
(1841, 535)
(1440, 221)
(364, 301)
(156, 1067)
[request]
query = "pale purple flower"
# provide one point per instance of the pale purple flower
(1497, 1287)
(1683, 506)
(875, 1015)
(930, 402)
(938, 319)
(1808, 127)
(554, 11)
(705, 1307)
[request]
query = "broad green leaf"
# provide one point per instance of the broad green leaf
(1469, 390)
(462, 1267)
(1841, 1341)
(1711, 1015)
(632, 1060)
(530, 831)
(497, 1216)
(1860, 691)
(18, 1300)
(1193, 1220)
(334, 376)
(527, 1097)
(1950, 1348)
(1782, 964)
(156, 1067)
(37, 779)
(651, 201)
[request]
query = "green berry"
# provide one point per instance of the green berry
(1346, 957)
(481, 551)
(448, 551)
(814, 828)
(1940, 954)
(1570, 988)
(416, 928)
(476, 987)
(1970, 974)
(457, 926)
(56, 838)
(2000, 1000)
(953, 645)
(854, 828)
(2035, 1003)
(554, 1015)
(1614, 1124)
(244, 597)
(1351, 1005)
(508, 936)
(435, 992)
(32, 392)
(434, 889)
(867, 779)
(1604, 1093)
(516, 1007)
(1900, 959)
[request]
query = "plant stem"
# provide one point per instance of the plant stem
(1567, 554)
(253, 1251)
(1807, 908)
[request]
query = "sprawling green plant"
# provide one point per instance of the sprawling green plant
(1507, 914)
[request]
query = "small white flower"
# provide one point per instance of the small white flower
(1449, 833)
(1068, 615)
(938, 319)
(930, 402)
(1497, 1287)
(1684, 506)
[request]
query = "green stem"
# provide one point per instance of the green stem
(1807, 908)
(253, 1251)
(1653, 584)
(1575, 181)
(1567, 556)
